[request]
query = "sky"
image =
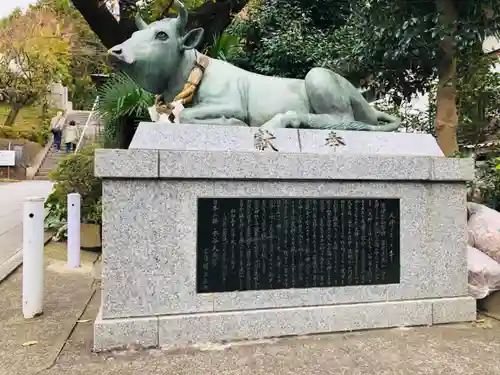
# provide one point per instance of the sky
(7, 6)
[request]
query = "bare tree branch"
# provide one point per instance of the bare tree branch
(214, 17)
(103, 23)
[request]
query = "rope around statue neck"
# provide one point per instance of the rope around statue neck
(190, 87)
(194, 79)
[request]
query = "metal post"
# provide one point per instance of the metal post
(94, 108)
(74, 230)
(33, 267)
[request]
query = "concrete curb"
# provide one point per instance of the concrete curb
(11, 264)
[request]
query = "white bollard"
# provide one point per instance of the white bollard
(74, 230)
(33, 267)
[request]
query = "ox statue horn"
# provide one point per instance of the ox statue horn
(183, 14)
(139, 22)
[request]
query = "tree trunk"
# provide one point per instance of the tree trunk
(45, 109)
(446, 111)
(14, 111)
(102, 22)
(125, 131)
(446, 96)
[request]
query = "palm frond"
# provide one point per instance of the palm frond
(121, 97)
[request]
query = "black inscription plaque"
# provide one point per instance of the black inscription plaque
(282, 243)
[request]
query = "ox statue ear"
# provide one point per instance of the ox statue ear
(192, 39)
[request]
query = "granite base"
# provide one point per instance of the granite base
(180, 331)
(150, 216)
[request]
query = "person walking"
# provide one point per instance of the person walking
(56, 127)
(71, 135)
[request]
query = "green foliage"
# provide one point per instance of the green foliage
(55, 213)
(38, 134)
(225, 47)
(120, 97)
(87, 55)
(288, 38)
(16, 12)
(392, 46)
(75, 174)
(479, 90)
(82, 91)
(486, 186)
(35, 53)
(153, 10)
(397, 43)
(31, 124)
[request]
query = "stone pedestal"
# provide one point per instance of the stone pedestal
(150, 221)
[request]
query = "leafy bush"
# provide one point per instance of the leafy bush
(29, 125)
(75, 174)
(38, 134)
(485, 188)
(478, 92)
(288, 38)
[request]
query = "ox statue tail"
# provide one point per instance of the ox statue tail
(392, 123)
(388, 123)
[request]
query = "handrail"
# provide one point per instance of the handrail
(94, 106)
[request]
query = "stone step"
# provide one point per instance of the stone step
(79, 118)
(44, 172)
(56, 157)
(52, 161)
(37, 177)
(46, 168)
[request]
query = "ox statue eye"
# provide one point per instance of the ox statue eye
(161, 35)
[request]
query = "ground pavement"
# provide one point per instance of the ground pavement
(12, 196)
(28, 346)
(59, 342)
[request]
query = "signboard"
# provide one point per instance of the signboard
(7, 158)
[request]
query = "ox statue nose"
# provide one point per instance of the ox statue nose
(118, 53)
